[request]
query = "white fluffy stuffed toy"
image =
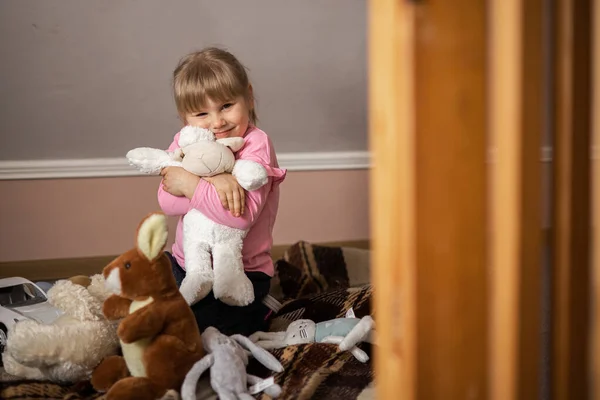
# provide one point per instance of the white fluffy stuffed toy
(203, 155)
(68, 349)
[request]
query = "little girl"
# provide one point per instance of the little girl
(212, 91)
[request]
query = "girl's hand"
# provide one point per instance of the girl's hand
(179, 182)
(231, 194)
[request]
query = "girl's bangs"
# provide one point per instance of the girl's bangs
(192, 95)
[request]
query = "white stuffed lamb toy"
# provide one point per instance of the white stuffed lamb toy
(68, 349)
(203, 155)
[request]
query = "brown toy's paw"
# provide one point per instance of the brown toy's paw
(116, 307)
(121, 333)
(135, 388)
(108, 372)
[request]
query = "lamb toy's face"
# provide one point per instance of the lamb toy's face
(207, 158)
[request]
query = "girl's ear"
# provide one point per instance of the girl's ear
(152, 236)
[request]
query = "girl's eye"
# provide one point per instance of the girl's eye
(201, 115)
(227, 105)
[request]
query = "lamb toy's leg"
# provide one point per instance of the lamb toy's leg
(231, 286)
(198, 281)
(225, 275)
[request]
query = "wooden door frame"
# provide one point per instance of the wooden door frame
(571, 200)
(595, 340)
(456, 294)
(516, 124)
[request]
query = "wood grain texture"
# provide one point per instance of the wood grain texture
(451, 199)
(571, 219)
(427, 98)
(392, 194)
(516, 122)
(595, 342)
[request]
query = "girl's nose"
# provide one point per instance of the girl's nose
(218, 122)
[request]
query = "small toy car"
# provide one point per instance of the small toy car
(22, 299)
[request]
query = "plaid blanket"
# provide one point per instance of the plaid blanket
(314, 282)
(318, 370)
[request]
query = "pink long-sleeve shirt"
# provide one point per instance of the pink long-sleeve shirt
(260, 210)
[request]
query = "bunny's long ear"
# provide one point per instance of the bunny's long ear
(265, 358)
(261, 336)
(268, 340)
(152, 235)
(188, 389)
(270, 344)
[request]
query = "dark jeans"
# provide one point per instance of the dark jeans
(230, 319)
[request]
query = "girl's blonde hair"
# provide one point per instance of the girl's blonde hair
(211, 73)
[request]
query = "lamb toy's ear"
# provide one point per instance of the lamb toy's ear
(192, 134)
(234, 143)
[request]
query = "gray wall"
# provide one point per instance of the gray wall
(92, 78)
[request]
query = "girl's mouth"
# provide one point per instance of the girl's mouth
(223, 133)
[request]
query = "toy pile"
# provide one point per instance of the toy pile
(129, 333)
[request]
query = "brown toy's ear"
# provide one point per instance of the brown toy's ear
(152, 235)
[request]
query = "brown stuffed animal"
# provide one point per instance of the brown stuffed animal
(159, 336)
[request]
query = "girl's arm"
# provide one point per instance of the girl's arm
(206, 199)
(169, 204)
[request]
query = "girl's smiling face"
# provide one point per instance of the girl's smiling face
(224, 119)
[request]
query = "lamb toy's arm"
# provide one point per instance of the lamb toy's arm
(152, 161)
(250, 174)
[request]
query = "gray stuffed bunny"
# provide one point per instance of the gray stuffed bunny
(228, 361)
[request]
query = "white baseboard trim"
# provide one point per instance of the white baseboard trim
(114, 167)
